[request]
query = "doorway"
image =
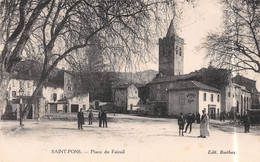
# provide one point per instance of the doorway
(30, 114)
(53, 108)
(212, 111)
(74, 108)
(96, 105)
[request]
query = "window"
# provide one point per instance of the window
(176, 50)
(14, 93)
(247, 103)
(69, 88)
(158, 96)
(204, 97)
(13, 83)
(158, 86)
(237, 106)
(84, 107)
(182, 99)
(54, 96)
(21, 84)
(218, 98)
(229, 94)
(211, 98)
(180, 51)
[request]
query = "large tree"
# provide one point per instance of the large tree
(17, 19)
(237, 45)
(55, 29)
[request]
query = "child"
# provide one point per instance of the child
(181, 122)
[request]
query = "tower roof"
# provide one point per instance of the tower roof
(171, 30)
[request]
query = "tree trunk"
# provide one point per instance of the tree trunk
(4, 80)
(34, 95)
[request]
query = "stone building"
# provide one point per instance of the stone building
(157, 97)
(69, 84)
(191, 97)
(171, 53)
(13, 97)
(51, 96)
(249, 85)
(75, 103)
(237, 94)
(236, 99)
(126, 98)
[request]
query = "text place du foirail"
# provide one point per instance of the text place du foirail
(92, 151)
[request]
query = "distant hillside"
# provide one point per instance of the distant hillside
(138, 77)
(30, 69)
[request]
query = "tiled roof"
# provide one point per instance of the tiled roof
(171, 30)
(246, 82)
(185, 85)
(125, 86)
(173, 78)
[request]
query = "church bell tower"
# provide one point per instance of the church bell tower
(171, 53)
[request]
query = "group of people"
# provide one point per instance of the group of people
(204, 123)
(102, 117)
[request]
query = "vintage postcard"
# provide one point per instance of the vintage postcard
(129, 80)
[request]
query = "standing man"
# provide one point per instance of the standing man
(193, 117)
(99, 118)
(90, 117)
(189, 121)
(246, 123)
(198, 117)
(224, 116)
(181, 122)
(104, 118)
(204, 125)
(80, 119)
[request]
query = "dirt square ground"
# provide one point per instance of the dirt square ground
(127, 138)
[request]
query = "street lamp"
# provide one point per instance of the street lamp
(21, 92)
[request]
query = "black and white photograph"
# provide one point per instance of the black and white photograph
(129, 80)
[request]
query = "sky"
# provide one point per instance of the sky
(196, 22)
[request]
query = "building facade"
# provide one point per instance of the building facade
(13, 97)
(69, 86)
(236, 99)
(75, 103)
(237, 94)
(126, 98)
(192, 97)
(51, 95)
